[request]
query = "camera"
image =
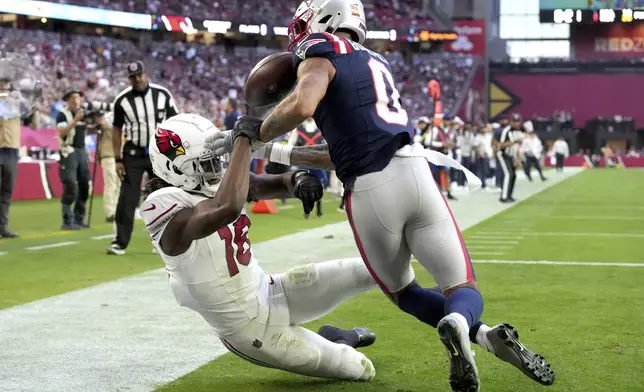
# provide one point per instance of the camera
(96, 109)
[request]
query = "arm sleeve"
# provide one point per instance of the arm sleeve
(320, 45)
(159, 209)
(119, 115)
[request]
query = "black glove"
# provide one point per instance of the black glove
(247, 126)
(307, 188)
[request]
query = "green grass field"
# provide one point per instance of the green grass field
(27, 275)
(587, 320)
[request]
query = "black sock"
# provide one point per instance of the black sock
(474, 329)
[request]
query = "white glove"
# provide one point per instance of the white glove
(221, 143)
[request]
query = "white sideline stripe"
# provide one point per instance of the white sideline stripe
(474, 247)
(3, 253)
(102, 237)
(488, 241)
(493, 237)
(564, 234)
(107, 337)
(54, 245)
(634, 218)
(545, 262)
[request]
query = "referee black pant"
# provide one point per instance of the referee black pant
(509, 175)
(530, 162)
(136, 162)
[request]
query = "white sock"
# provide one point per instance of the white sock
(461, 320)
(482, 340)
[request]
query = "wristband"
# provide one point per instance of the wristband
(281, 153)
(118, 160)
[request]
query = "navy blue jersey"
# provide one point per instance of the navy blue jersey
(360, 116)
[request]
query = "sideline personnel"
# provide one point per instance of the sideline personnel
(10, 122)
(506, 153)
(74, 162)
(111, 181)
(138, 110)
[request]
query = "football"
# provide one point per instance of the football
(269, 82)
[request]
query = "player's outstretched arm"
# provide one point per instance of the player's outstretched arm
(270, 186)
(313, 78)
(207, 217)
(309, 157)
(315, 157)
(300, 184)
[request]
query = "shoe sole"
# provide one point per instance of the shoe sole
(463, 373)
(111, 252)
(533, 365)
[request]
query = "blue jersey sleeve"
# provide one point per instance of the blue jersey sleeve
(320, 45)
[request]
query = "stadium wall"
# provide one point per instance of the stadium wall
(586, 96)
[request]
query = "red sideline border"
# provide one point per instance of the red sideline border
(40, 181)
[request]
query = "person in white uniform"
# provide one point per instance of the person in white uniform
(197, 221)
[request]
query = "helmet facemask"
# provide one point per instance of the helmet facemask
(300, 27)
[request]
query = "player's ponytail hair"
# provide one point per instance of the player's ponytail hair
(155, 184)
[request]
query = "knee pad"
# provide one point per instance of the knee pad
(298, 353)
(302, 276)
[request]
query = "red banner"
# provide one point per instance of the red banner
(607, 40)
(471, 38)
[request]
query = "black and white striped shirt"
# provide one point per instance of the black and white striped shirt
(508, 134)
(138, 114)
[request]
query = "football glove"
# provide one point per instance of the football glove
(307, 188)
(221, 143)
(247, 126)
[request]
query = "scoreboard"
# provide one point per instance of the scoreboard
(591, 16)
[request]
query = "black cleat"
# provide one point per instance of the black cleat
(506, 346)
(366, 337)
(356, 338)
(463, 374)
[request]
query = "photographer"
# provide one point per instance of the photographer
(10, 122)
(71, 127)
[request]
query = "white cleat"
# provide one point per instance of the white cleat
(454, 333)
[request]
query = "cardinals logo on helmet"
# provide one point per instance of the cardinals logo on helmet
(169, 143)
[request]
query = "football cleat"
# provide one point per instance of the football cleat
(366, 337)
(506, 345)
(360, 337)
(463, 374)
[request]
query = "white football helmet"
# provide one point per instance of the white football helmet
(317, 16)
(179, 157)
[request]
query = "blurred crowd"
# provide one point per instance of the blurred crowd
(200, 76)
(383, 14)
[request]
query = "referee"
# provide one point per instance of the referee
(137, 111)
(506, 152)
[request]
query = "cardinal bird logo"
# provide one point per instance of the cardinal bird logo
(169, 143)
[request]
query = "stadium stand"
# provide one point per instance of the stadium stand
(380, 13)
(200, 76)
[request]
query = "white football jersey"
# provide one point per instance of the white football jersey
(218, 275)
